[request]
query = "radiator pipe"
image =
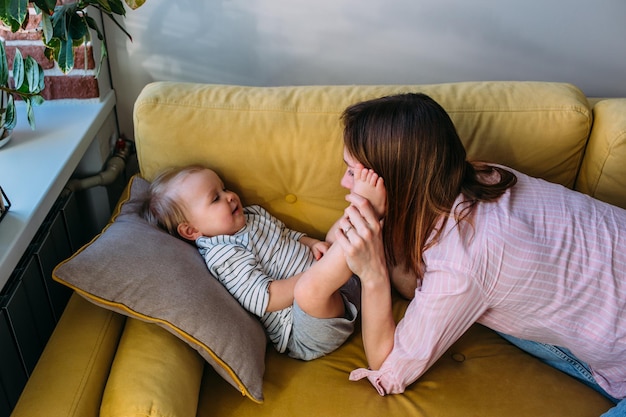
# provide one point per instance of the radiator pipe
(114, 167)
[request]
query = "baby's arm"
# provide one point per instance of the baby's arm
(318, 247)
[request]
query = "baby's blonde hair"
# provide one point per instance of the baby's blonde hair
(161, 208)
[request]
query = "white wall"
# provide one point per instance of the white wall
(293, 42)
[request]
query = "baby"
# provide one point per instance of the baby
(300, 287)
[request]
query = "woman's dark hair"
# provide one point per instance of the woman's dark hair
(410, 141)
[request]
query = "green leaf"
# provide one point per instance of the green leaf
(30, 113)
(52, 48)
(32, 75)
(42, 80)
(94, 25)
(102, 5)
(117, 7)
(4, 66)
(46, 6)
(37, 100)
(109, 6)
(46, 24)
(77, 27)
(10, 118)
(103, 55)
(18, 69)
(60, 20)
(59, 28)
(11, 23)
(13, 12)
(65, 57)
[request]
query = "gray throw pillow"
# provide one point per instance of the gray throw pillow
(142, 272)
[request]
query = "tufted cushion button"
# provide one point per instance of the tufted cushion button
(291, 198)
(459, 357)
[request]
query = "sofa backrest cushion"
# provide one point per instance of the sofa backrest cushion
(603, 171)
(281, 147)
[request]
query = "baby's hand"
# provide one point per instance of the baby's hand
(319, 249)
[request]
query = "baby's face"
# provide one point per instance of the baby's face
(209, 207)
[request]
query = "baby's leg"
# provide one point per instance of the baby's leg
(317, 289)
(369, 185)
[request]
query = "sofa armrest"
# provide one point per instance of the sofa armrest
(603, 170)
(69, 378)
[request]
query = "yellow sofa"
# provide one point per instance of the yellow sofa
(281, 147)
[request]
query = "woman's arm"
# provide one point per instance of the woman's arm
(378, 325)
(360, 236)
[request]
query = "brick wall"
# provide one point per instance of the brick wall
(80, 83)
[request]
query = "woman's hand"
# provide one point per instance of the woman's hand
(360, 236)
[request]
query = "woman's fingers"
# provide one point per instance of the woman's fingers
(360, 238)
(345, 225)
(363, 218)
(363, 205)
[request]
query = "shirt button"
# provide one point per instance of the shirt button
(290, 198)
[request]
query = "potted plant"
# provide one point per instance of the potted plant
(28, 81)
(63, 27)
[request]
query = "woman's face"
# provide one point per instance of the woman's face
(347, 181)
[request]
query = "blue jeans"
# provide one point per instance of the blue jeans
(563, 360)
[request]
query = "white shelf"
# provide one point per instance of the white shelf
(36, 164)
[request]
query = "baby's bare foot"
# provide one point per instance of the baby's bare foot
(369, 185)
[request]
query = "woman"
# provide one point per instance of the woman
(472, 242)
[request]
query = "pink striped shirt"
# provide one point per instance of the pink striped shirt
(542, 263)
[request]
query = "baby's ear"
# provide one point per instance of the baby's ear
(187, 231)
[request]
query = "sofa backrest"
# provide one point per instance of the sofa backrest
(281, 147)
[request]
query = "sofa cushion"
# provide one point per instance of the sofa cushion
(72, 371)
(142, 272)
(603, 171)
(480, 375)
(153, 374)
